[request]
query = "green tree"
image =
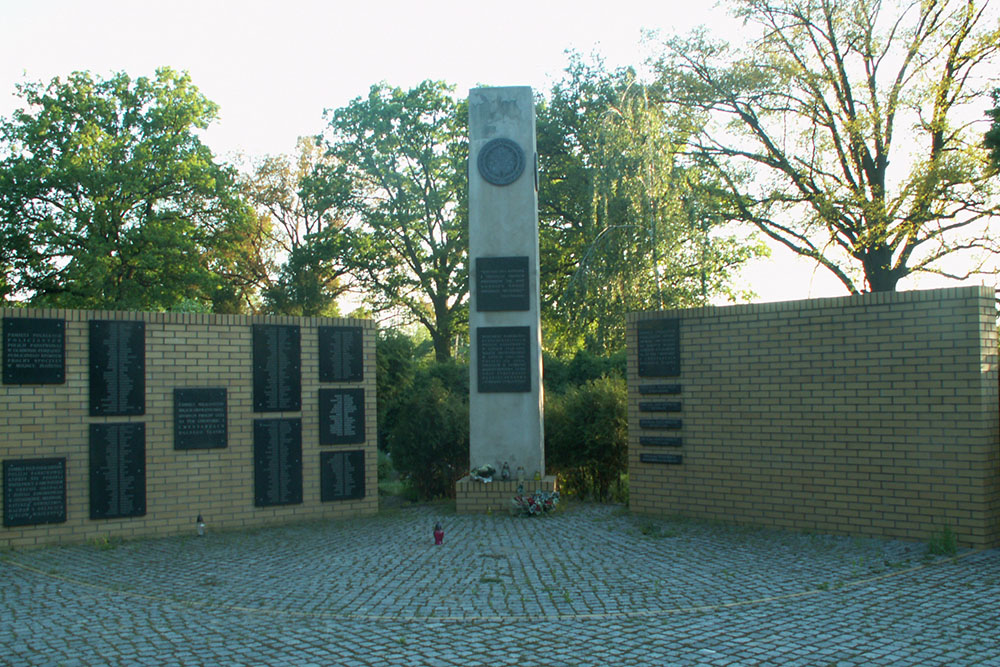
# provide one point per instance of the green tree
(623, 226)
(108, 198)
(992, 138)
(842, 131)
(398, 177)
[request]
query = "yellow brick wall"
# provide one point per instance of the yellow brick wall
(181, 350)
(868, 415)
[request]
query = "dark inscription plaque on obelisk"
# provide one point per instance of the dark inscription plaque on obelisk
(340, 354)
(117, 368)
(117, 470)
(659, 348)
(34, 491)
(502, 283)
(503, 359)
(200, 418)
(342, 475)
(277, 462)
(341, 416)
(277, 368)
(34, 350)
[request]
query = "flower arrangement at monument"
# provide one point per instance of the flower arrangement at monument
(483, 473)
(539, 502)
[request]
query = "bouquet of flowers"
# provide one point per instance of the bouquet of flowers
(483, 473)
(539, 502)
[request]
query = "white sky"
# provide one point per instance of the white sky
(273, 67)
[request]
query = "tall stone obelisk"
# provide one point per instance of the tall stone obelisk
(505, 330)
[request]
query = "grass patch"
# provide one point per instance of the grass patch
(943, 543)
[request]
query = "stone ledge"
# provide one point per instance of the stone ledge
(474, 497)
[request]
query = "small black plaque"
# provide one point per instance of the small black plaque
(277, 368)
(501, 161)
(277, 462)
(502, 283)
(667, 389)
(341, 356)
(200, 418)
(34, 491)
(117, 368)
(671, 459)
(342, 475)
(34, 350)
(503, 356)
(659, 406)
(659, 441)
(659, 348)
(117, 470)
(341, 416)
(665, 424)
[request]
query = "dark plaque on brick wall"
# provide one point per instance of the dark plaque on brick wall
(668, 389)
(659, 406)
(34, 350)
(200, 418)
(341, 416)
(503, 356)
(277, 368)
(340, 354)
(659, 348)
(670, 459)
(117, 368)
(342, 475)
(117, 470)
(502, 283)
(277, 462)
(34, 491)
(659, 441)
(665, 424)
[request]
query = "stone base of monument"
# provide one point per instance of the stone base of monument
(475, 497)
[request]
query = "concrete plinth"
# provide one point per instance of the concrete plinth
(475, 497)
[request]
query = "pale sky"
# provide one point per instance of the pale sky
(273, 67)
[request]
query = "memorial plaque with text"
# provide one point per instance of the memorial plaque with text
(34, 491)
(659, 348)
(670, 459)
(34, 350)
(277, 462)
(666, 424)
(502, 283)
(342, 475)
(667, 389)
(200, 418)
(340, 354)
(117, 368)
(660, 441)
(117, 470)
(659, 406)
(277, 368)
(503, 356)
(341, 416)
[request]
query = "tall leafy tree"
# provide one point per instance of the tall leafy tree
(624, 226)
(397, 176)
(850, 118)
(992, 139)
(108, 198)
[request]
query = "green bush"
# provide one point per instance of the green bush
(586, 437)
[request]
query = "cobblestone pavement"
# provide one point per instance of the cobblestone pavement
(589, 586)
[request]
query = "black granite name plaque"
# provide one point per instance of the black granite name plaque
(502, 283)
(342, 475)
(667, 389)
(34, 491)
(660, 441)
(117, 368)
(341, 416)
(503, 357)
(34, 350)
(341, 356)
(671, 459)
(200, 418)
(277, 368)
(659, 348)
(666, 424)
(659, 406)
(117, 470)
(277, 462)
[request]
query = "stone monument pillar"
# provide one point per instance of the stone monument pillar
(505, 403)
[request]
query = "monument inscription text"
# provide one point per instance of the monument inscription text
(504, 359)
(34, 350)
(117, 368)
(34, 491)
(200, 418)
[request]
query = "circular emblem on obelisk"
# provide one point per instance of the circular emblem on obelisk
(501, 162)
